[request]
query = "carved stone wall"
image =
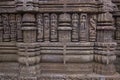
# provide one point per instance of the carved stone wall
(117, 33)
(58, 40)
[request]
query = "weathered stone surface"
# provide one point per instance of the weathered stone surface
(59, 40)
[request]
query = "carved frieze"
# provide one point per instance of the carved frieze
(57, 39)
(26, 5)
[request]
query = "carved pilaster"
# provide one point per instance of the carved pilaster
(54, 26)
(29, 58)
(75, 25)
(12, 23)
(29, 28)
(28, 51)
(105, 45)
(64, 27)
(40, 26)
(19, 27)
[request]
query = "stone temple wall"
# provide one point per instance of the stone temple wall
(117, 33)
(59, 40)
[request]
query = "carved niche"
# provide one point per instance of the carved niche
(75, 27)
(83, 27)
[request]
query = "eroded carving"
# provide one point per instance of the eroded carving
(46, 27)
(92, 28)
(40, 26)
(19, 27)
(54, 27)
(12, 19)
(83, 27)
(75, 25)
(6, 27)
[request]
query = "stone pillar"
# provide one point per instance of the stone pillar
(105, 46)
(117, 38)
(28, 50)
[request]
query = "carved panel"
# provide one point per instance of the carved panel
(12, 27)
(92, 28)
(6, 27)
(40, 25)
(54, 25)
(46, 27)
(83, 27)
(19, 27)
(1, 29)
(75, 27)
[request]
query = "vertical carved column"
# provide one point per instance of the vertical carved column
(83, 27)
(19, 27)
(46, 27)
(75, 25)
(6, 27)
(117, 37)
(1, 29)
(92, 27)
(105, 47)
(12, 23)
(54, 25)
(40, 25)
(28, 51)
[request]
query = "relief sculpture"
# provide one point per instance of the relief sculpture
(54, 26)
(1, 29)
(12, 22)
(6, 27)
(19, 27)
(75, 25)
(40, 27)
(92, 29)
(83, 27)
(59, 40)
(46, 27)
